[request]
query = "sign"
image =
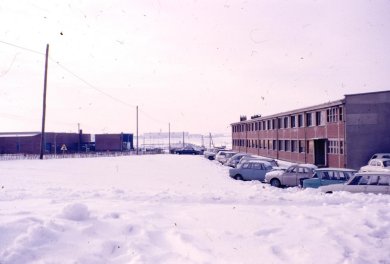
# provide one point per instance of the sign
(63, 147)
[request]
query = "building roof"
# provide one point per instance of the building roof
(300, 110)
(19, 134)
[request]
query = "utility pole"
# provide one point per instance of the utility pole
(169, 137)
(137, 128)
(44, 104)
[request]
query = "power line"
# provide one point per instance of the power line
(90, 85)
(83, 80)
(23, 48)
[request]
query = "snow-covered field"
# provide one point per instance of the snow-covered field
(178, 209)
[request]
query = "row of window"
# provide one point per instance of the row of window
(316, 118)
(334, 146)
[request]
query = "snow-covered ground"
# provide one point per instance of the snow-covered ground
(178, 209)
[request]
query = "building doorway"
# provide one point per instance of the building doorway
(320, 152)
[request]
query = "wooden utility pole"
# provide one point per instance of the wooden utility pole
(44, 105)
(137, 129)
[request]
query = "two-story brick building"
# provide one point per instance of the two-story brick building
(342, 133)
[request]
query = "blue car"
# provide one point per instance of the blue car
(250, 170)
(327, 176)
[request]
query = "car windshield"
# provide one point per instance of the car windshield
(386, 163)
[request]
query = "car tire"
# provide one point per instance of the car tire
(239, 177)
(275, 183)
(210, 158)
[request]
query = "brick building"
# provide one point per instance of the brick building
(114, 142)
(30, 142)
(343, 133)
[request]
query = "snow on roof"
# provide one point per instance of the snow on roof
(19, 134)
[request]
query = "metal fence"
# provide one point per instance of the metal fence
(78, 155)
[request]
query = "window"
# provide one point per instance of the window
(318, 118)
(273, 124)
(292, 122)
(341, 147)
(300, 121)
(301, 146)
(293, 145)
(285, 121)
(331, 115)
(340, 114)
(287, 145)
(384, 180)
(333, 147)
(273, 144)
(280, 145)
(308, 119)
(268, 124)
(279, 123)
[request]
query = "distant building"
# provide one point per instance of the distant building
(343, 133)
(30, 142)
(114, 142)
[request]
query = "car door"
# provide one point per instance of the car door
(356, 184)
(289, 178)
(258, 171)
(246, 171)
(377, 184)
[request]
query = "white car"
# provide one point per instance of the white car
(293, 176)
(223, 155)
(366, 182)
(376, 165)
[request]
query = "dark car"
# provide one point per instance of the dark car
(188, 151)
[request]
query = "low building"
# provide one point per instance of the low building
(30, 142)
(343, 133)
(114, 142)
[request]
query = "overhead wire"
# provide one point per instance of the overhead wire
(83, 80)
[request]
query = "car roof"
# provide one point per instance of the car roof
(258, 161)
(310, 166)
(385, 173)
(335, 169)
(381, 159)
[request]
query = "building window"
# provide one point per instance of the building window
(340, 113)
(293, 145)
(273, 144)
(279, 123)
(269, 144)
(331, 115)
(333, 147)
(287, 145)
(308, 119)
(341, 147)
(264, 128)
(280, 145)
(300, 121)
(264, 146)
(292, 122)
(285, 121)
(318, 118)
(268, 124)
(301, 146)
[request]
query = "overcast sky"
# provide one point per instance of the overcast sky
(196, 64)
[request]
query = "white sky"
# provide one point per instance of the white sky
(196, 64)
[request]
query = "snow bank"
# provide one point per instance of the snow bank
(178, 209)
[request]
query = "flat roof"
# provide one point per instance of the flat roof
(305, 109)
(19, 134)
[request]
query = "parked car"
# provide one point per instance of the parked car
(290, 177)
(235, 159)
(250, 170)
(376, 165)
(327, 176)
(223, 155)
(366, 182)
(188, 150)
(380, 156)
(210, 153)
(273, 162)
